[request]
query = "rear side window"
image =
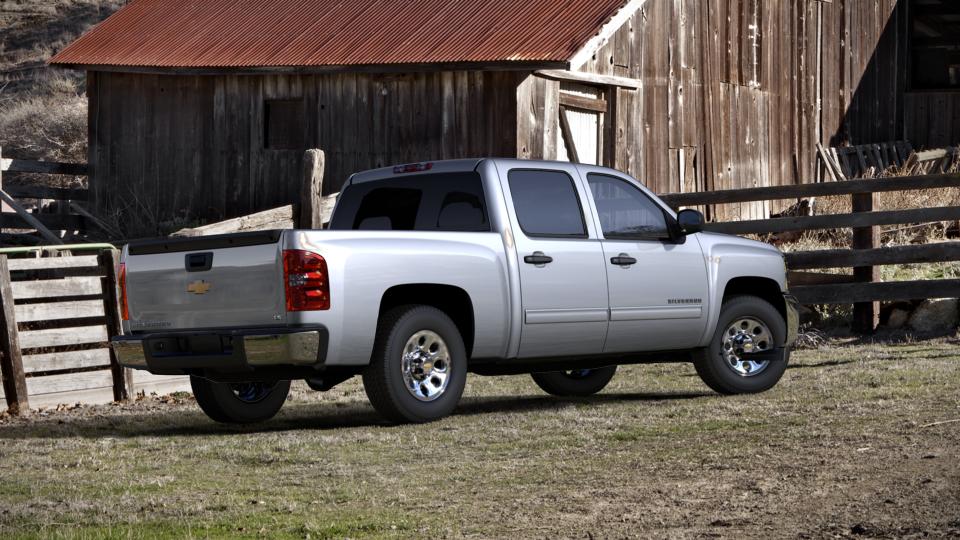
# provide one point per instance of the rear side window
(424, 202)
(546, 203)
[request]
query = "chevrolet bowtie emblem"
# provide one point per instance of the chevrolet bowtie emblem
(198, 287)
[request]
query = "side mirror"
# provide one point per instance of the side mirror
(690, 221)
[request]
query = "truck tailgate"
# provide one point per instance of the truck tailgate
(231, 281)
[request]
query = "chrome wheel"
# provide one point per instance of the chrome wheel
(252, 392)
(744, 337)
(426, 365)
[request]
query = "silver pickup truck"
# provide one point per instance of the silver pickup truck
(432, 270)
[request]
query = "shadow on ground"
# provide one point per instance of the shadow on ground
(189, 421)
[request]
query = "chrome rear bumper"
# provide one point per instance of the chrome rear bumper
(223, 350)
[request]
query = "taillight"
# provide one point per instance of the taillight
(122, 279)
(305, 281)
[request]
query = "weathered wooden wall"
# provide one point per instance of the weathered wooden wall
(733, 94)
(737, 93)
(167, 149)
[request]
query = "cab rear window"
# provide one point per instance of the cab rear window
(423, 202)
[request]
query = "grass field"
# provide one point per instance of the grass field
(841, 448)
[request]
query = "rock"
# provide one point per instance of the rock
(898, 318)
(935, 316)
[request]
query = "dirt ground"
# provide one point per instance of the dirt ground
(856, 442)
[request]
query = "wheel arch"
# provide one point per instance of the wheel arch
(761, 287)
(450, 299)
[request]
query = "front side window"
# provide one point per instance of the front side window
(626, 212)
(546, 203)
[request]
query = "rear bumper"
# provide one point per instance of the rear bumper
(793, 318)
(222, 351)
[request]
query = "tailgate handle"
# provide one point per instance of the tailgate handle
(199, 262)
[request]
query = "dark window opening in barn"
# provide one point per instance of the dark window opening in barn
(284, 124)
(934, 44)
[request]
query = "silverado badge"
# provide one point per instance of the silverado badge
(198, 287)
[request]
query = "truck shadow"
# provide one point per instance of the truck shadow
(187, 421)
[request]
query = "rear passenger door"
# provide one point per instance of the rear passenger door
(562, 275)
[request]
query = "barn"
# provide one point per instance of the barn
(202, 110)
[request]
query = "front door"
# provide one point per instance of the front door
(657, 288)
(563, 281)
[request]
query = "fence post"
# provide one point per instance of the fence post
(11, 361)
(311, 190)
(866, 315)
(111, 307)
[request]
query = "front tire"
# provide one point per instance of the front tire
(239, 403)
(419, 365)
(748, 326)
(574, 383)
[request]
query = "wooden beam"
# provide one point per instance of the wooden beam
(606, 31)
(52, 222)
(572, 101)
(110, 263)
(44, 192)
(275, 218)
(567, 135)
(590, 78)
(850, 293)
(844, 258)
(862, 219)
(11, 361)
(43, 167)
(866, 315)
(823, 189)
(33, 222)
(795, 279)
(311, 190)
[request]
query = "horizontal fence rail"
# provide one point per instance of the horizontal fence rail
(863, 288)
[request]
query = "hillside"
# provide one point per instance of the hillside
(43, 110)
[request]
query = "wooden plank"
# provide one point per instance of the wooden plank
(327, 205)
(11, 362)
(45, 192)
(590, 78)
(832, 171)
(817, 278)
(37, 363)
(46, 263)
(275, 218)
(568, 139)
(53, 311)
(92, 396)
(30, 220)
(842, 258)
(311, 211)
(44, 167)
(825, 189)
(51, 222)
(110, 261)
(849, 293)
(68, 382)
(53, 288)
(57, 337)
(863, 219)
(147, 383)
(584, 103)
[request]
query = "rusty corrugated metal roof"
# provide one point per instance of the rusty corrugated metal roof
(303, 33)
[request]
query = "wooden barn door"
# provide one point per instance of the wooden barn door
(583, 116)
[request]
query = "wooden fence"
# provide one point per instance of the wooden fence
(863, 288)
(70, 216)
(57, 317)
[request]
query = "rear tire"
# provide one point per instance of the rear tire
(419, 365)
(239, 403)
(578, 382)
(744, 319)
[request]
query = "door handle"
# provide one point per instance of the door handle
(538, 258)
(623, 259)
